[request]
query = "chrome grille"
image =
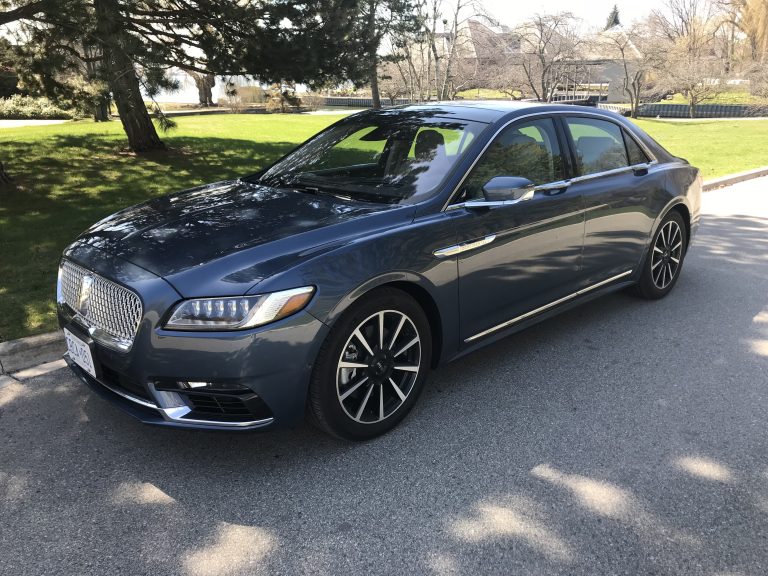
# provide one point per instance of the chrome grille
(110, 308)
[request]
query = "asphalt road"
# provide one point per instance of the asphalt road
(624, 437)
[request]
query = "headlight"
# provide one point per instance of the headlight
(239, 312)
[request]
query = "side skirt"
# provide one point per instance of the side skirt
(554, 311)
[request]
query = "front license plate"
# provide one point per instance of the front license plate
(80, 352)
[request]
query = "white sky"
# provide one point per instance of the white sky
(593, 12)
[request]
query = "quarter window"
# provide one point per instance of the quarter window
(528, 150)
(599, 145)
(635, 153)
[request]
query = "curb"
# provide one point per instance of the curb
(24, 353)
(716, 183)
(27, 352)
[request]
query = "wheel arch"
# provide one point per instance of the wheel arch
(685, 212)
(417, 288)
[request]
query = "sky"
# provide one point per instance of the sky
(593, 12)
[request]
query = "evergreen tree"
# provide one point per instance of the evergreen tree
(130, 44)
(378, 20)
(613, 18)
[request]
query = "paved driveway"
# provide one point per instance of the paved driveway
(624, 437)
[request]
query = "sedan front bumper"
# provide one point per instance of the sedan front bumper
(245, 380)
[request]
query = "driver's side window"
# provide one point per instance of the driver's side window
(527, 149)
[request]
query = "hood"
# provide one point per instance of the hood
(171, 235)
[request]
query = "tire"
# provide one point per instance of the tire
(356, 381)
(664, 260)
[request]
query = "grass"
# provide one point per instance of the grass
(71, 175)
(717, 147)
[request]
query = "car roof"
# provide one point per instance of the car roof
(486, 110)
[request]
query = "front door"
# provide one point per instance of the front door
(515, 259)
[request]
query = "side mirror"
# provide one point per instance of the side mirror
(508, 188)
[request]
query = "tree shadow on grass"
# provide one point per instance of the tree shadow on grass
(66, 183)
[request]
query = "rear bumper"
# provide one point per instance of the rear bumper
(259, 378)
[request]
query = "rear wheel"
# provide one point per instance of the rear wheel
(665, 259)
(372, 366)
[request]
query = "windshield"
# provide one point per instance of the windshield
(377, 157)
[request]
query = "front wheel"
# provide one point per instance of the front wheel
(665, 259)
(372, 366)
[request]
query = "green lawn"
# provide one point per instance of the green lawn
(70, 175)
(717, 147)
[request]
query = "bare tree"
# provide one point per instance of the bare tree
(393, 84)
(687, 31)
(640, 54)
(687, 24)
(549, 44)
(697, 79)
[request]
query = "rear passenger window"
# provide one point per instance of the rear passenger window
(635, 153)
(599, 145)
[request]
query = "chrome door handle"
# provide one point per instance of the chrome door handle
(554, 188)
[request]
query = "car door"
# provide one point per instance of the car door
(516, 258)
(618, 182)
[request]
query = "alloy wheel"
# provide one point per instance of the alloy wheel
(667, 254)
(378, 366)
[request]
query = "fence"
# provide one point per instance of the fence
(663, 110)
(354, 102)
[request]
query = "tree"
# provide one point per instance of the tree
(5, 178)
(613, 18)
(137, 41)
(639, 54)
(687, 33)
(697, 79)
(9, 79)
(204, 84)
(383, 20)
(549, 45)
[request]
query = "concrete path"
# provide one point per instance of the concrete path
(623, 437)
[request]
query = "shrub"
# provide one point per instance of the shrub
(312, 101)
(758, 84)
(26, 108)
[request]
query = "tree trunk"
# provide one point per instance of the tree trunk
(5, 178)
(123, 80)
(101, 110)
(204, 84)
(373, 47)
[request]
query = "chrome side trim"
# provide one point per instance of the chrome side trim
(546, 306)
(177, 415)
(459, 248)
(131, 397)
(654, 160)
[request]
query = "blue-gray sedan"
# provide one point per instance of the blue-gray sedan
(328, 284)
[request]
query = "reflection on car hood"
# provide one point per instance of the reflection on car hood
(174, 233)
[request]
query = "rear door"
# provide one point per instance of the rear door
(618, 182)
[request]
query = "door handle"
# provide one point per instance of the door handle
(554, 188)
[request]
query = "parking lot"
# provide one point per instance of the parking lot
(623, 437)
